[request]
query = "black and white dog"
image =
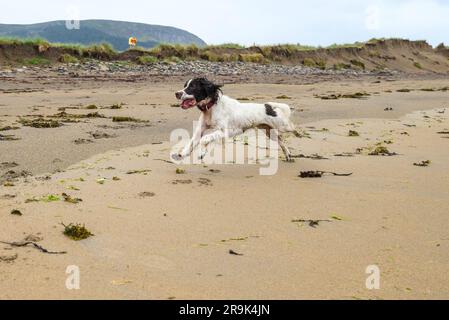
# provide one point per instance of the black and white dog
(224, 117)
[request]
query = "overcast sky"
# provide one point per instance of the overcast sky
(314, 22)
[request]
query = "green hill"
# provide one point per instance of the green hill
(115, 33)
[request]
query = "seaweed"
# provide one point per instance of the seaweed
(283, 97)
(76, 232)
(180, 171)
(357, 95)
(234, 253)
(40, 123)
(311, 223)
(8, 137)
(344, 154)
(35, 245)
(82, 141)
(353, 133)
(205, 182)
(147, 194)
(314, 156)
(7, 165)
(16, 212)
(382, 151)
(67, 116)
(128, 119)
(48, 198)
(320, 174)
(144, 171)
(425, 163)
(116, 106)
(8, 196)
(12, 175)
(182, 181)
(7, 128)
(69, 199)
(329, 97)
(101, 135)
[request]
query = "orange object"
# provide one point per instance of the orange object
(132, 41)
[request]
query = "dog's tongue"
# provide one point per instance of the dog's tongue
(187, 103)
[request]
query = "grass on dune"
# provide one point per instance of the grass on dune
(176, 53)
(26, 41)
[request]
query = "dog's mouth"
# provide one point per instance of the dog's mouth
(188, 103)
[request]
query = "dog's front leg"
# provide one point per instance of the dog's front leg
(193, 142)
(208, 139)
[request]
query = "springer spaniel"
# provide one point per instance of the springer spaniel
(224, 117)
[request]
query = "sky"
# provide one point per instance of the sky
(247, 22)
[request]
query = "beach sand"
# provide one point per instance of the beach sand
(174, 241)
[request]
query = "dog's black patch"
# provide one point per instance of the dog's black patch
(269, 110)
(202, 88)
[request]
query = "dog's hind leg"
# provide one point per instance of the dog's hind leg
(280, 140)
(287, 153)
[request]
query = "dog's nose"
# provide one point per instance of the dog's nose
(178, 95)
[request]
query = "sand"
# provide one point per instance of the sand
(176, 243)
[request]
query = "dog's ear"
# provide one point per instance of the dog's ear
(211, 88)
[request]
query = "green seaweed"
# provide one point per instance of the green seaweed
(69, 199)
(77, 232)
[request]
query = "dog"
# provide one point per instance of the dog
(224, 117)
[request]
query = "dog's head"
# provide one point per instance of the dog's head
(198, 92)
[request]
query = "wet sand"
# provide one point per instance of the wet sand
(47, 150)
(174, 241)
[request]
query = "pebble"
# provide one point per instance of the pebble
(102, 68)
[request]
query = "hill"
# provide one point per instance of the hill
(115, 33)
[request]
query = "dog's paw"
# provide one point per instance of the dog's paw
(177, 157)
